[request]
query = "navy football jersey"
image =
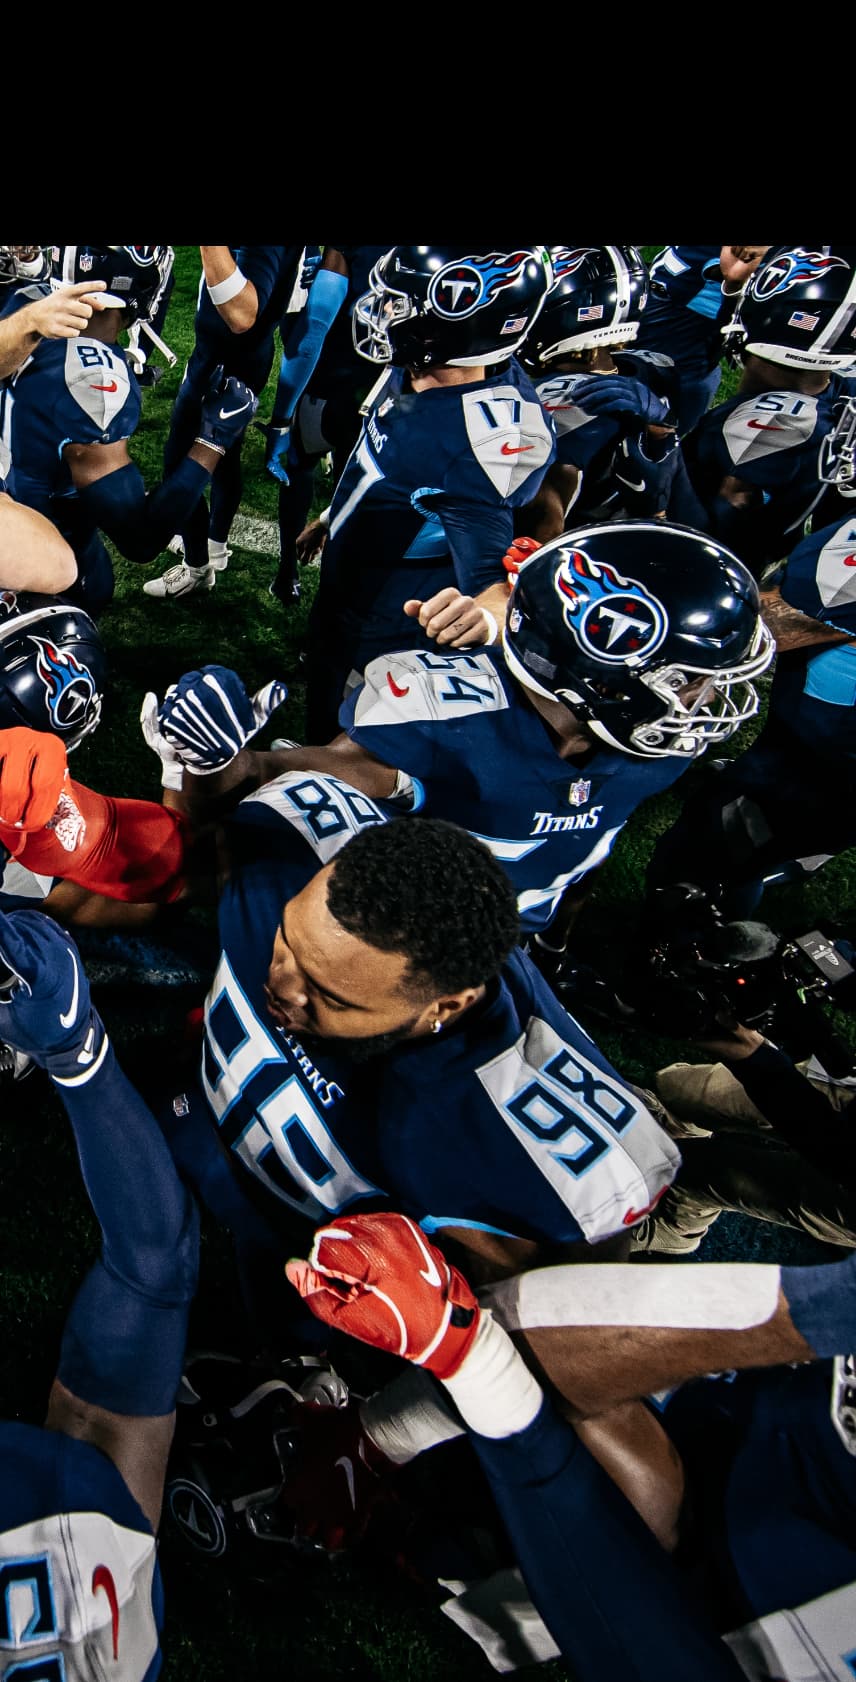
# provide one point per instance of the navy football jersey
(772, 441)
(81, 1593)
(425, 499)
(776, 1501)
(815, 695)
(69, 391)
(686, 309)
(460, 724)
(511, 1121)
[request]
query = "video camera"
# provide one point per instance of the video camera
(691, 973)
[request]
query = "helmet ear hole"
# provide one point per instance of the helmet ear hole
(650, 633)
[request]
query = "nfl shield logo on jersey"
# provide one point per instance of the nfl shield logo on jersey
(579, 792)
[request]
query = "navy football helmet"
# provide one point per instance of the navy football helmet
(651, 634)
(597, 297)
(52, 666)
(799, 309)
(135, 274)
(457, 305)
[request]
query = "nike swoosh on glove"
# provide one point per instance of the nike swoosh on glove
(646, 484)
(207, 717)
(227, 409)
(45, 1007)
(377, 1278)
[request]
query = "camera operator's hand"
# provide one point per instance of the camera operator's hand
(734, 1043)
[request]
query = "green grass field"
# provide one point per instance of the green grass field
(321, 1623)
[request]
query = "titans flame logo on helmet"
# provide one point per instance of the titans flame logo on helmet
(789, 269)
(462, 287)
(611, 617)
(70, 691)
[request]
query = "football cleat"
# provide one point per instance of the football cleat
(180, 580)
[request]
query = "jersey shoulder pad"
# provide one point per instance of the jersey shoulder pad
(556, 395)
(820, 577)
(510, 435)
(98, 379)
(421, 686)
(324, 811)
(769, 425)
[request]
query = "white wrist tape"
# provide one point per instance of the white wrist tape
(223, 290)
(493, 628)
(407, 1416)
(493, 1389)
(324, 517)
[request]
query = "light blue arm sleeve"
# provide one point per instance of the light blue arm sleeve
(326, 296)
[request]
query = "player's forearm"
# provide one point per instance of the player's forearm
(141, 524)
(234, 296)
(203, 798)
(663, 1326)
(125, 849)
(17, 342)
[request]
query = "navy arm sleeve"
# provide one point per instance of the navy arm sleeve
(611, 1598)
(124, 1337)
(141, 524)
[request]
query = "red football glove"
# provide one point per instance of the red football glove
(518, 552)
(377, 1278)
(33, 772)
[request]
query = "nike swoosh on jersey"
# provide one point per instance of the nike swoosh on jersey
(226, 414)
(348, 1469)
(102, 1578)
(630, 484)
(67, 1017)
(634, 1215)
(114, 386)
(515, 449)
(394, 686)
(763, 426)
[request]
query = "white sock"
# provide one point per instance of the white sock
(217, 551)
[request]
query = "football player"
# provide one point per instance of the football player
(20, 264)
(244, 292)
(33, 553)
(628, 648)
(758, 462)
(71, 408)
(365, 1007)
(792, 794)
(80, 1500)
(694, 290)
(322, 383)
(770, 1484)
(616, 448)
(453, 439)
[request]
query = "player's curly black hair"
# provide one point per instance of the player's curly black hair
(423, 887)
